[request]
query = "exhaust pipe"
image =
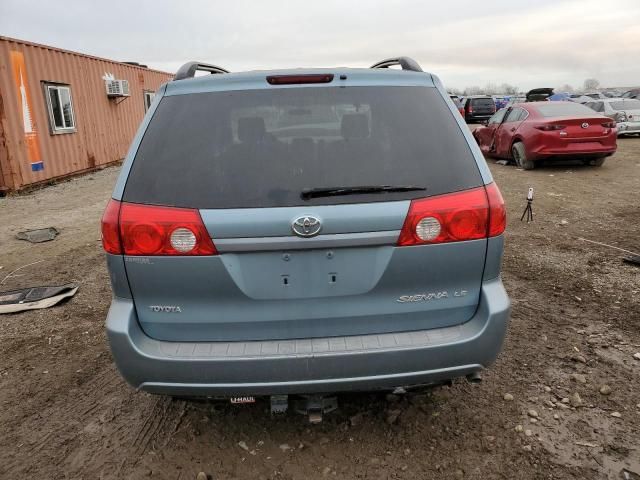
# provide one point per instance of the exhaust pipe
(474, 378)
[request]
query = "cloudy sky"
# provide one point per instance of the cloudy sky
(527, 43)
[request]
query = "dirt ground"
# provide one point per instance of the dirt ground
(65, 412)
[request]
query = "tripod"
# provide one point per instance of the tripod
(528, 211)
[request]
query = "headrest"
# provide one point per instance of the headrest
(251, 129)
(354, 125)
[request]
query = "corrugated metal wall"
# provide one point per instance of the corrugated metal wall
(104, 127)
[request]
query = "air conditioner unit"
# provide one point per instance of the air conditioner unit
(117, 88)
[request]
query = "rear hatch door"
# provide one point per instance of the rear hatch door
(291, 265)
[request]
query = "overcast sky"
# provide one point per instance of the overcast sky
(528, 43)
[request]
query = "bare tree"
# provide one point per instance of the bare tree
(566, 88)
(508, 89)
(591, 84)
(455, 91)
(491, 89)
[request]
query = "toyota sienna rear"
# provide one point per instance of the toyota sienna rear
(304, 231)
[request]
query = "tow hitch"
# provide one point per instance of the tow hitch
(312, 406)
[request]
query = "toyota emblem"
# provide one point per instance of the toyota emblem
(585, 125)
(306, 226)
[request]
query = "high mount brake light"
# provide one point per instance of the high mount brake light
(133, 229)
(550, 128)
(455, 217)
(299, 79)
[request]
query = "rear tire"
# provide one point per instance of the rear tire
(519, 155)
(595, 162)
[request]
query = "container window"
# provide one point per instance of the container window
(60, 108)
(148, 99)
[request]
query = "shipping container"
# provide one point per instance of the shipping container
(63, 112)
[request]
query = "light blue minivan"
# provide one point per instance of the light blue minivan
(304, 232)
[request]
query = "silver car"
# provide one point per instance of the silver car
(625, 111)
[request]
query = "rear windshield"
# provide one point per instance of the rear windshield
(482, 102)
(262, 148)
(626, 105)
(563, 109)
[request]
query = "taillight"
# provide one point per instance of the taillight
(110, 234)
(299, 79)
(497, 211)
(550, 128)
(609, 125)
(454, 217)
(133, 229)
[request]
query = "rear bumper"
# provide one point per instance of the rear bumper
(573, 153)
(319, 365)
(478, 116)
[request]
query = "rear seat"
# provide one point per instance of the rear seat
(257, 144)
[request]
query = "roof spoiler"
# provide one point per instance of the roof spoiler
(189, 69)
(407, 63)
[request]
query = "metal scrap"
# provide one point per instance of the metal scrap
(33, 298)
(38, 235)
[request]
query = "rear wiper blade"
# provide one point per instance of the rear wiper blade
(336, 191)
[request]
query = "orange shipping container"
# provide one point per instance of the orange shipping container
(56, 118)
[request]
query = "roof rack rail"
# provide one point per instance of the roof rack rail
(189, 69)
(407, 63)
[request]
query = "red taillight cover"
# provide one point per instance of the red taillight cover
(467, 215)
(133, 229)
(497, 211)
(110, 234)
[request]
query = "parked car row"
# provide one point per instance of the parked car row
(476, 107)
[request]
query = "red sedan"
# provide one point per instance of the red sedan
(535, 131)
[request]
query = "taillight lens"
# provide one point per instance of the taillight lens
(550, 128)
(497, 211)
(110, 234)
(455, 217)
(133, 229)
(609, 125)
